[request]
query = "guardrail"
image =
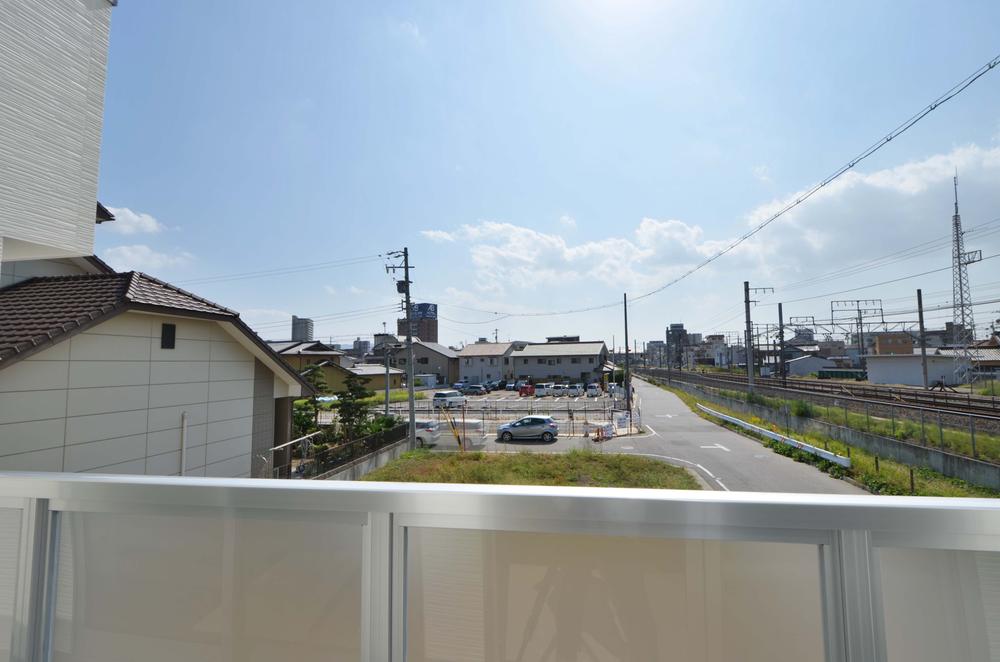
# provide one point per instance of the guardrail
(794, 443)
(121, 568)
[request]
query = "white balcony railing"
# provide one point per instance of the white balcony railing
(108, 568)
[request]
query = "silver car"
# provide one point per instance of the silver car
(529, 427)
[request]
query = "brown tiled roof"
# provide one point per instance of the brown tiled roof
(37, 311)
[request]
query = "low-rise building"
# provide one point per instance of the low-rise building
(483, 361)
(907, 369)
(428, 358)
(561, 361)
(123, 373)
(893, 343)
(803, 366)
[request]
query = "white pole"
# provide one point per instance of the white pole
(184, 434)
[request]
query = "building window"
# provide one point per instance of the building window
(482, 360)
(558, 360)
(575, 359)
(590, 359)
(541, 361)
(506, 360)
(402, 362)
(491, 361)
(423, 360)
(168, 336)
(468, 361)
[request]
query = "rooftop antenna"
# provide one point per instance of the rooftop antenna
(963, 326)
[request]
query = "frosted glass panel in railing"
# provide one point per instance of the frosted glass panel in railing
(940, 604)
(10, 543)
(162, 588)
(476, 595)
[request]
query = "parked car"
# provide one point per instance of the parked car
(575, 390)
(558, 390)
(526, 389)
(500, 385)
(428, 432)
(475, 389)
(541, 390)
(511, 386)
(529, 427)
(448, 400)
(458, 386)
(593, 390)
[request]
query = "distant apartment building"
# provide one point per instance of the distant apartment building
(359, 348)
(302, 329)
(484, 361)
(893, 343)
(574, 362)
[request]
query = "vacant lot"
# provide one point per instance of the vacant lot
(575, 469)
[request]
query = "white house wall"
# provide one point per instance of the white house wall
(53, 58)
(110, 400)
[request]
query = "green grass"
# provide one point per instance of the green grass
(575, 469)
(395, 395)
(892, 477)
(953, 440)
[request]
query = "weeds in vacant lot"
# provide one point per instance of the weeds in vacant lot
(576, 468)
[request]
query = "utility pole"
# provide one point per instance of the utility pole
(385, 359)
(670, 360)
(781, 345)
(403, 287)
(861, 341)
(923, 343)
(749, 330)
(496, 333)
(628, 377)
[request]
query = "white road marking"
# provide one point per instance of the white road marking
(628, 448)
(664, 415)
(718, 446)
(679, 459)
(652, 431)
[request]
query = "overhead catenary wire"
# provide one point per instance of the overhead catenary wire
(954, 91)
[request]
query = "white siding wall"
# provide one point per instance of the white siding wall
(110, 400)
(53, 57)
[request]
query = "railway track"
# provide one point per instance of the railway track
(931, 400)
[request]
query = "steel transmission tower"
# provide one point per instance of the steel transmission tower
(963, 329)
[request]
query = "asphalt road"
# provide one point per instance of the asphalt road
(724, 459)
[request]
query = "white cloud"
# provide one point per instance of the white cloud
(438, 235)
(353, 289)
(567, 222)
(132, 222)
(859, 217)
(762, 174)
(410, 31)
(330, 289)
(140, 257)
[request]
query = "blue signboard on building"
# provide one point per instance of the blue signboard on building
(425, 311)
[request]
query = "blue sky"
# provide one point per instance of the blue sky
(538, 157)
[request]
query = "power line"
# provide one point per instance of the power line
(282, 271)
(957, 89)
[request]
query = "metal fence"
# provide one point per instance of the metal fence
(313, 463)
(163, 568)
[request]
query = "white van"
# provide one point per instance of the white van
(428, 432)
(574, 390)
(593, 390)
(448, 400)
(541, 390)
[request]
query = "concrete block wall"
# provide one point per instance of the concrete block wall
(110, 400)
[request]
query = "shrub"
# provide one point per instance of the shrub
(803, 409)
